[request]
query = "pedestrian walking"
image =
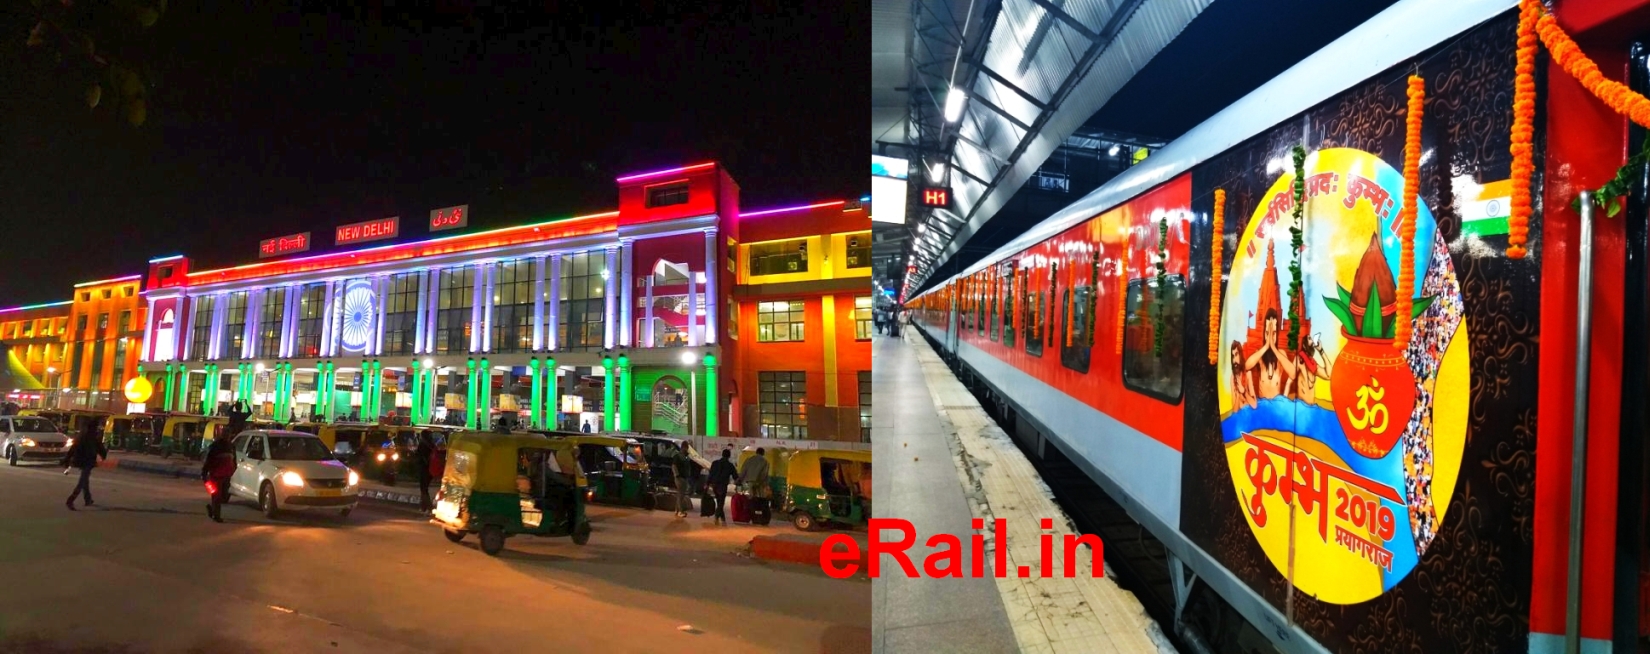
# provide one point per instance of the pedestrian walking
(84, 455)
(755, 474)
(684, 483)
(424, 458)
(722, 472)
(586, 428)
(219, 465)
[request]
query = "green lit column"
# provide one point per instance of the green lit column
(429, 394)
(279, 386)
(626, 392)
(485, 404)
(377, 389)
(608, 414)
(533, 402)
(712, 428)
(552, 402)
(180, 388)
(368, 379)
(246, 383)
(470, 395)
(166, 401)
(206, 395)
(290, 395)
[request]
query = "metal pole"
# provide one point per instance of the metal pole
(1578, 457)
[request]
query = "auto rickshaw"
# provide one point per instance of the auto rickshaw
(389, 450)
(615, 469)
(778, 458)
(661, 452)
(79, 418)
(828, 487)
(129, 432)
(182, 435)
(501, 485)
(58, 417)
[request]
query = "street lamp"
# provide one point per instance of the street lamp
(690, 357)
(429, 363)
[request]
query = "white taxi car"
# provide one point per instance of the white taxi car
(32, 439)
(289, 470)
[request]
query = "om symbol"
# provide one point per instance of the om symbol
(1374, 417)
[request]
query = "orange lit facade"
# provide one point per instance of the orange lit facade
(803, 329)
(102, 340)
(32, 338)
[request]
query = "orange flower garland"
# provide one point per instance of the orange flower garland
(1569, 55)
(1219, 242)
(1122, 297)
(1523, 130)
(1406, 218)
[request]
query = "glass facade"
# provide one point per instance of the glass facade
(583, 300)
(401, 313)
(456, 296)
(311, 311)
(784, 397)
(200, 333)
(513, 306)
(780, 322)
(269, 323)
(234, 322)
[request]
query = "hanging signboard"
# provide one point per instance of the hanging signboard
(280, 245)
(450, 218)
(371, 230)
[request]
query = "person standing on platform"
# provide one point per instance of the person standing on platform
(722, 472)
(684, 483)
(84, 455)
(217, 469)
(423, 458)
(755, 475)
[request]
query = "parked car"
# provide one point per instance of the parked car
(32, 439)
(289, 470)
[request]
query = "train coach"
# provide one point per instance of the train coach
(1326, 345)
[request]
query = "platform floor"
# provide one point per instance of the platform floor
(930, 414)
(911, 442)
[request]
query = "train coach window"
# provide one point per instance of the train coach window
(1008, 309)
(994, 330)
(1034, 312)
(1151, 367)
(1075, 353)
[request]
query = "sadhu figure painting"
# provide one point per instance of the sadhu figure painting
(1344, 433)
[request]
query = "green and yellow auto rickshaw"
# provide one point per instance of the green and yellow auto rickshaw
(828, 487)
(182, 434)
(614, 468)
(501, 485)
(79, 418)
(129, 432)
(778, 458)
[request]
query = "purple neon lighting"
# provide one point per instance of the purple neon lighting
(657, 173)
(764, 212)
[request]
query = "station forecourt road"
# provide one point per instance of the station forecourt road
(144, 570)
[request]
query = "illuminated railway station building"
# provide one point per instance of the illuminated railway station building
(674, 313)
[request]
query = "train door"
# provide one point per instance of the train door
(1632, 584)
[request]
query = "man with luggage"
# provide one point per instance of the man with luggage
(754, 474)
(721, 473)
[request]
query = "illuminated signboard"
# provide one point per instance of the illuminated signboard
(888, 180)
(274, 247)
(936, 197)
(371, 230)
(450, 218)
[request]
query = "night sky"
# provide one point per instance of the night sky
(265, 121)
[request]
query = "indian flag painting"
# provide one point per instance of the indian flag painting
(1486, 214)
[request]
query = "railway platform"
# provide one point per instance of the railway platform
(947, 463)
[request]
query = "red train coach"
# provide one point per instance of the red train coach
(1362, 437)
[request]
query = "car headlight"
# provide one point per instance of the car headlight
(28, 442)
(396, 456)
(291, 478)
(68, 443)
(380, 457)
(354, 478)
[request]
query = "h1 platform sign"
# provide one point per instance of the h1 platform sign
(292, 244)
(449, 218)
(936, 196)
(371, 230)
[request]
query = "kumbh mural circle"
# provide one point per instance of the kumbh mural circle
(1342, 444)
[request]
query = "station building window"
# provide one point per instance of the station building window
(665, 195)
(780, 322)
(455, 297)
(234, 332)
(862, 318)
(200, 334)
(513, 306)
(269, 322)
(85, 296)
(401, 313)
(106, 294)
(583, 300)
(780, 257)
(865, 395)
(28, 329)
(126, 291)
(311, 306)
(859, 250)
(783, 404)
(1150, 367)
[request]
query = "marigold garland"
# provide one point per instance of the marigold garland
(1569, 55)
(1122, 296)
(1523, 130)
(1407, 217)
(1215, 276)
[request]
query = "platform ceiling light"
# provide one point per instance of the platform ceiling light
(954, 104)
(936, 171)
(1113, 150)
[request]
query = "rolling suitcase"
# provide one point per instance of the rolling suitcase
(741, 507)
(761, 512)
(707, 504)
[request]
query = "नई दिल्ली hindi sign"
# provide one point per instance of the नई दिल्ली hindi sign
(274, 247)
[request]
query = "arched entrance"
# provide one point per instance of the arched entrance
(672, 412)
